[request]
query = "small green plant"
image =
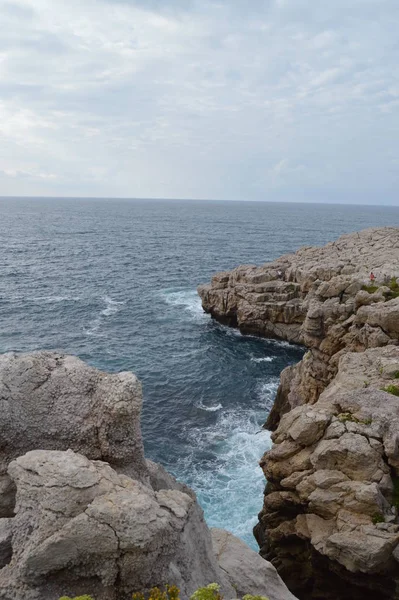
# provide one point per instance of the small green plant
(393, 291)
(347, 416)
(210, 592)
(396, 375)
(250, 597)
(391, 389)
(366, 384)
(370, 288)
(171, 593)
(393, 284)
(378, 518)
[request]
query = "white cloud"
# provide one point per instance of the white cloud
(199, 99)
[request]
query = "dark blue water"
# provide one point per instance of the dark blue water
(114, 282)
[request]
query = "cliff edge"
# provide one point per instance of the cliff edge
(330, 517)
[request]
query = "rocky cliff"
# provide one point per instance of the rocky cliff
(330, 517)
(83, 511)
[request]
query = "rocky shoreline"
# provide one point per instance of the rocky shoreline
(81, 509)
(330, 517)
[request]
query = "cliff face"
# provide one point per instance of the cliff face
(329, 520)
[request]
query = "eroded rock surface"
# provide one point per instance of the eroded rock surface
(246, 570)
(56, 402)
(330, 517)
(82, 528)
(315, 297)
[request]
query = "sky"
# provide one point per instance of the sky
(274, 100)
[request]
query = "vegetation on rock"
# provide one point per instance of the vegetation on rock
(391, 389)
(171, 592)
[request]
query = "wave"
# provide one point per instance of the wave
(264, 359)
(210, 408)
(223, 469)
(266, 392)
(111, 308)
(187, 299)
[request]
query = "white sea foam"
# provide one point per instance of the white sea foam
(236, 442)
(210, 408)
(263, 359)
(186, 299)
(266, 392)
(111, 308)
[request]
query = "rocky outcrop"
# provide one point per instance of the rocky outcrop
(315, 297)
(56, 402)
(82, 528)
(330, 517)
(246, 570)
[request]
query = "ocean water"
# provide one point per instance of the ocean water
(115, 281)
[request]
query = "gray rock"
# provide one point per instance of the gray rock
(247, 572)
(82, 528)
(55, 402)
(6, 527)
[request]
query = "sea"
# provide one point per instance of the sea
(114, 282)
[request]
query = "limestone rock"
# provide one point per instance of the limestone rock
(247, 572)
(53, 401)
(330, 517)
(82, 528)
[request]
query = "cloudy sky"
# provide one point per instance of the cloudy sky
(225, 99)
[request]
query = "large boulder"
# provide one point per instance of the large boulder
(54, 402)
(81, 528)
(247, 572)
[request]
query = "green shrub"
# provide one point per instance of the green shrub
(391, 389)
(345, 417)
(378, 518)
(370, 288)
(171, 593)
(396, 375)
(249, 597)
(210, 592)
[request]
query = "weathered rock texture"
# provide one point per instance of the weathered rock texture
(81, 527)
(56, 402)
(246, 570)
(329, 522)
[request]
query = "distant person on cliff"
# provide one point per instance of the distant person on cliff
(372, 277)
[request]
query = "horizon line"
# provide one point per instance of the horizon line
(156, 199)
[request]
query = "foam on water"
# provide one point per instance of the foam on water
(223, 468)
(210, 408)
(264, 359)
(187, 299)
(111, 308)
